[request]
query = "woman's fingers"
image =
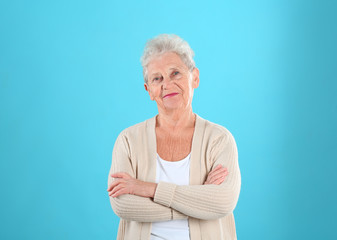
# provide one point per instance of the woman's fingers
(120, 192)
(115, 189)
(219, 181)
(215, 179)
(120, 185)
(217, 167)
(215, 174)
(219, 178)
(219, 173)
(216, 170)
(113, 184)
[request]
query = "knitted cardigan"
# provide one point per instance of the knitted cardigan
(208, 208)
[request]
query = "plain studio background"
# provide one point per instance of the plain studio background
(71, 80)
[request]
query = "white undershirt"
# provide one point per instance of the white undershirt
(178, 173)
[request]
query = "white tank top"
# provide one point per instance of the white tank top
(178, 173)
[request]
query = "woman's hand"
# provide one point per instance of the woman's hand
(217, 175)
(125, 184)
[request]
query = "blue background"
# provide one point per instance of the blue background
(71, 80)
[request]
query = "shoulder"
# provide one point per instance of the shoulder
(137, 131)
(214, 132)
(133, 129)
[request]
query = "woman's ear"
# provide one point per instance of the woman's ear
(148, 90)
(195, 77)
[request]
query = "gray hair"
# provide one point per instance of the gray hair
(167, 43)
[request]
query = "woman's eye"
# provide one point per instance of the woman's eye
(175, 73)
(156, 79)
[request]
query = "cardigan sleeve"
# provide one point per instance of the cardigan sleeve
(207, 201)
(132, 207)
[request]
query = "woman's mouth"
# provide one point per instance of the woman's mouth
(170, 95)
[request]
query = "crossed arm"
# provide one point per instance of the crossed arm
(132, 199)
(125, 184)
(137, 200)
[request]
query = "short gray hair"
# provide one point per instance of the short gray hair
(164, 43)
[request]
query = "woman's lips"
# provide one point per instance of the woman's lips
(170, 95)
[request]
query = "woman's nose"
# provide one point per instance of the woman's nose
(166, 82)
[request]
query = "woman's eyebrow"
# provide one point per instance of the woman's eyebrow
(174, 68)
(154, 74)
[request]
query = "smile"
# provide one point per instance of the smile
(170, 95)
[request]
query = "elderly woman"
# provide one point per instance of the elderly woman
(176, 175)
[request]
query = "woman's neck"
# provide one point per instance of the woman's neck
(175, 121)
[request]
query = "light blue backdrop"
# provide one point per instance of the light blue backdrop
(71, 80)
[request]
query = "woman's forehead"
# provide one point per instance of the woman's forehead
(166, 61)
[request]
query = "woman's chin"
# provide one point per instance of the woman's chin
(172, 106)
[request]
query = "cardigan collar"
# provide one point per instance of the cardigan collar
(195, 160)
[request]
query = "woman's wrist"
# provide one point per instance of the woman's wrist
(150, 189)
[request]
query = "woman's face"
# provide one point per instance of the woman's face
(170, 83)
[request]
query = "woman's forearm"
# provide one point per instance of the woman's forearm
(199, 201)
(141, 209)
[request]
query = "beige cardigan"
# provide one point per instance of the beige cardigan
(208, 208)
